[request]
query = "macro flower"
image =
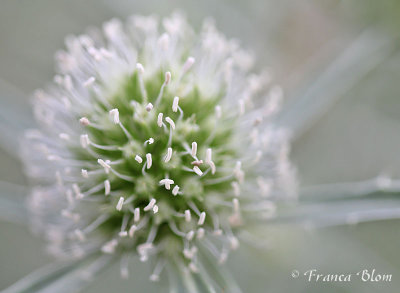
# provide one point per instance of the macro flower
(158, 142)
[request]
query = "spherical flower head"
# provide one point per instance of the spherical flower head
(155, 141)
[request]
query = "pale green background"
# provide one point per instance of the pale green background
(357, 139)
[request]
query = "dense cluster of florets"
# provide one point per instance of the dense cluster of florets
(159, 144)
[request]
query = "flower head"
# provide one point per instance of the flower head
(158, 144)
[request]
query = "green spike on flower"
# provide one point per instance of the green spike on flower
(159, 144)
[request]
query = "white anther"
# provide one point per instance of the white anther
(188, 216)
(105, 165)
(167, 77)
(150, 205)
(132, 231)
(171, 122)
(140, 68)
(154, 278)
(107, 187)
(197, 170)
(120, 203)
(264, 185)
(175, 104)
(202, 218)
(241, 107)
(237, 171)
(168, 156)
(149, 107)
(218, 111)
(236, 188)
(236, 206)
(175, 190)
(188, 64)
(89, 81)
(149, 161)
(68, 214)
(84, 173)
(190, 235)
(194, 149)
(150, 141)
(64, 136)
(234, 242)
(138, 159)
(193, 268)
(167, 182)
(159, 119)
(79, 234)
(155, 209)
(114, 113)
(77, 191)
(136, 215)
(163, 41)
(84, 121)
(123, 234)
(84, 139)
(110, 246)
(209, 160)
(200, 233)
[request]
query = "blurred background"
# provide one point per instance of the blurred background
(339, 63)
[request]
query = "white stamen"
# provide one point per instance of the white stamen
(193, 268)
(241, 107)
(138, 159)
(123, 234)
(77, 191)
(175, 190)
(236, 207)
(84, 121)
(159, 119)
(107, 187)
(132, 231)
(155, 209)
(218, 111)
(79, 234)
(120, 203)
(237, 171)
(105, 165)
(167, 182)
(140, 68)
(234, 242)
(149, 107)
(188, 64)
(149, 160)
(163, 41)
(168, 156)
(194, 149)
(200, 233)
(136, 215)
(150, 205)
(84, 173)
(114, 113)
(175, 104)
(167, 77)
(64, 136)
(149, 141)
(84, 139)
(236, 188)
(110, 246)
(171, 122)
(89, 81)
(197, 170)
(202, 218)
(188, 216)
(209, 160)
(190, 235)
